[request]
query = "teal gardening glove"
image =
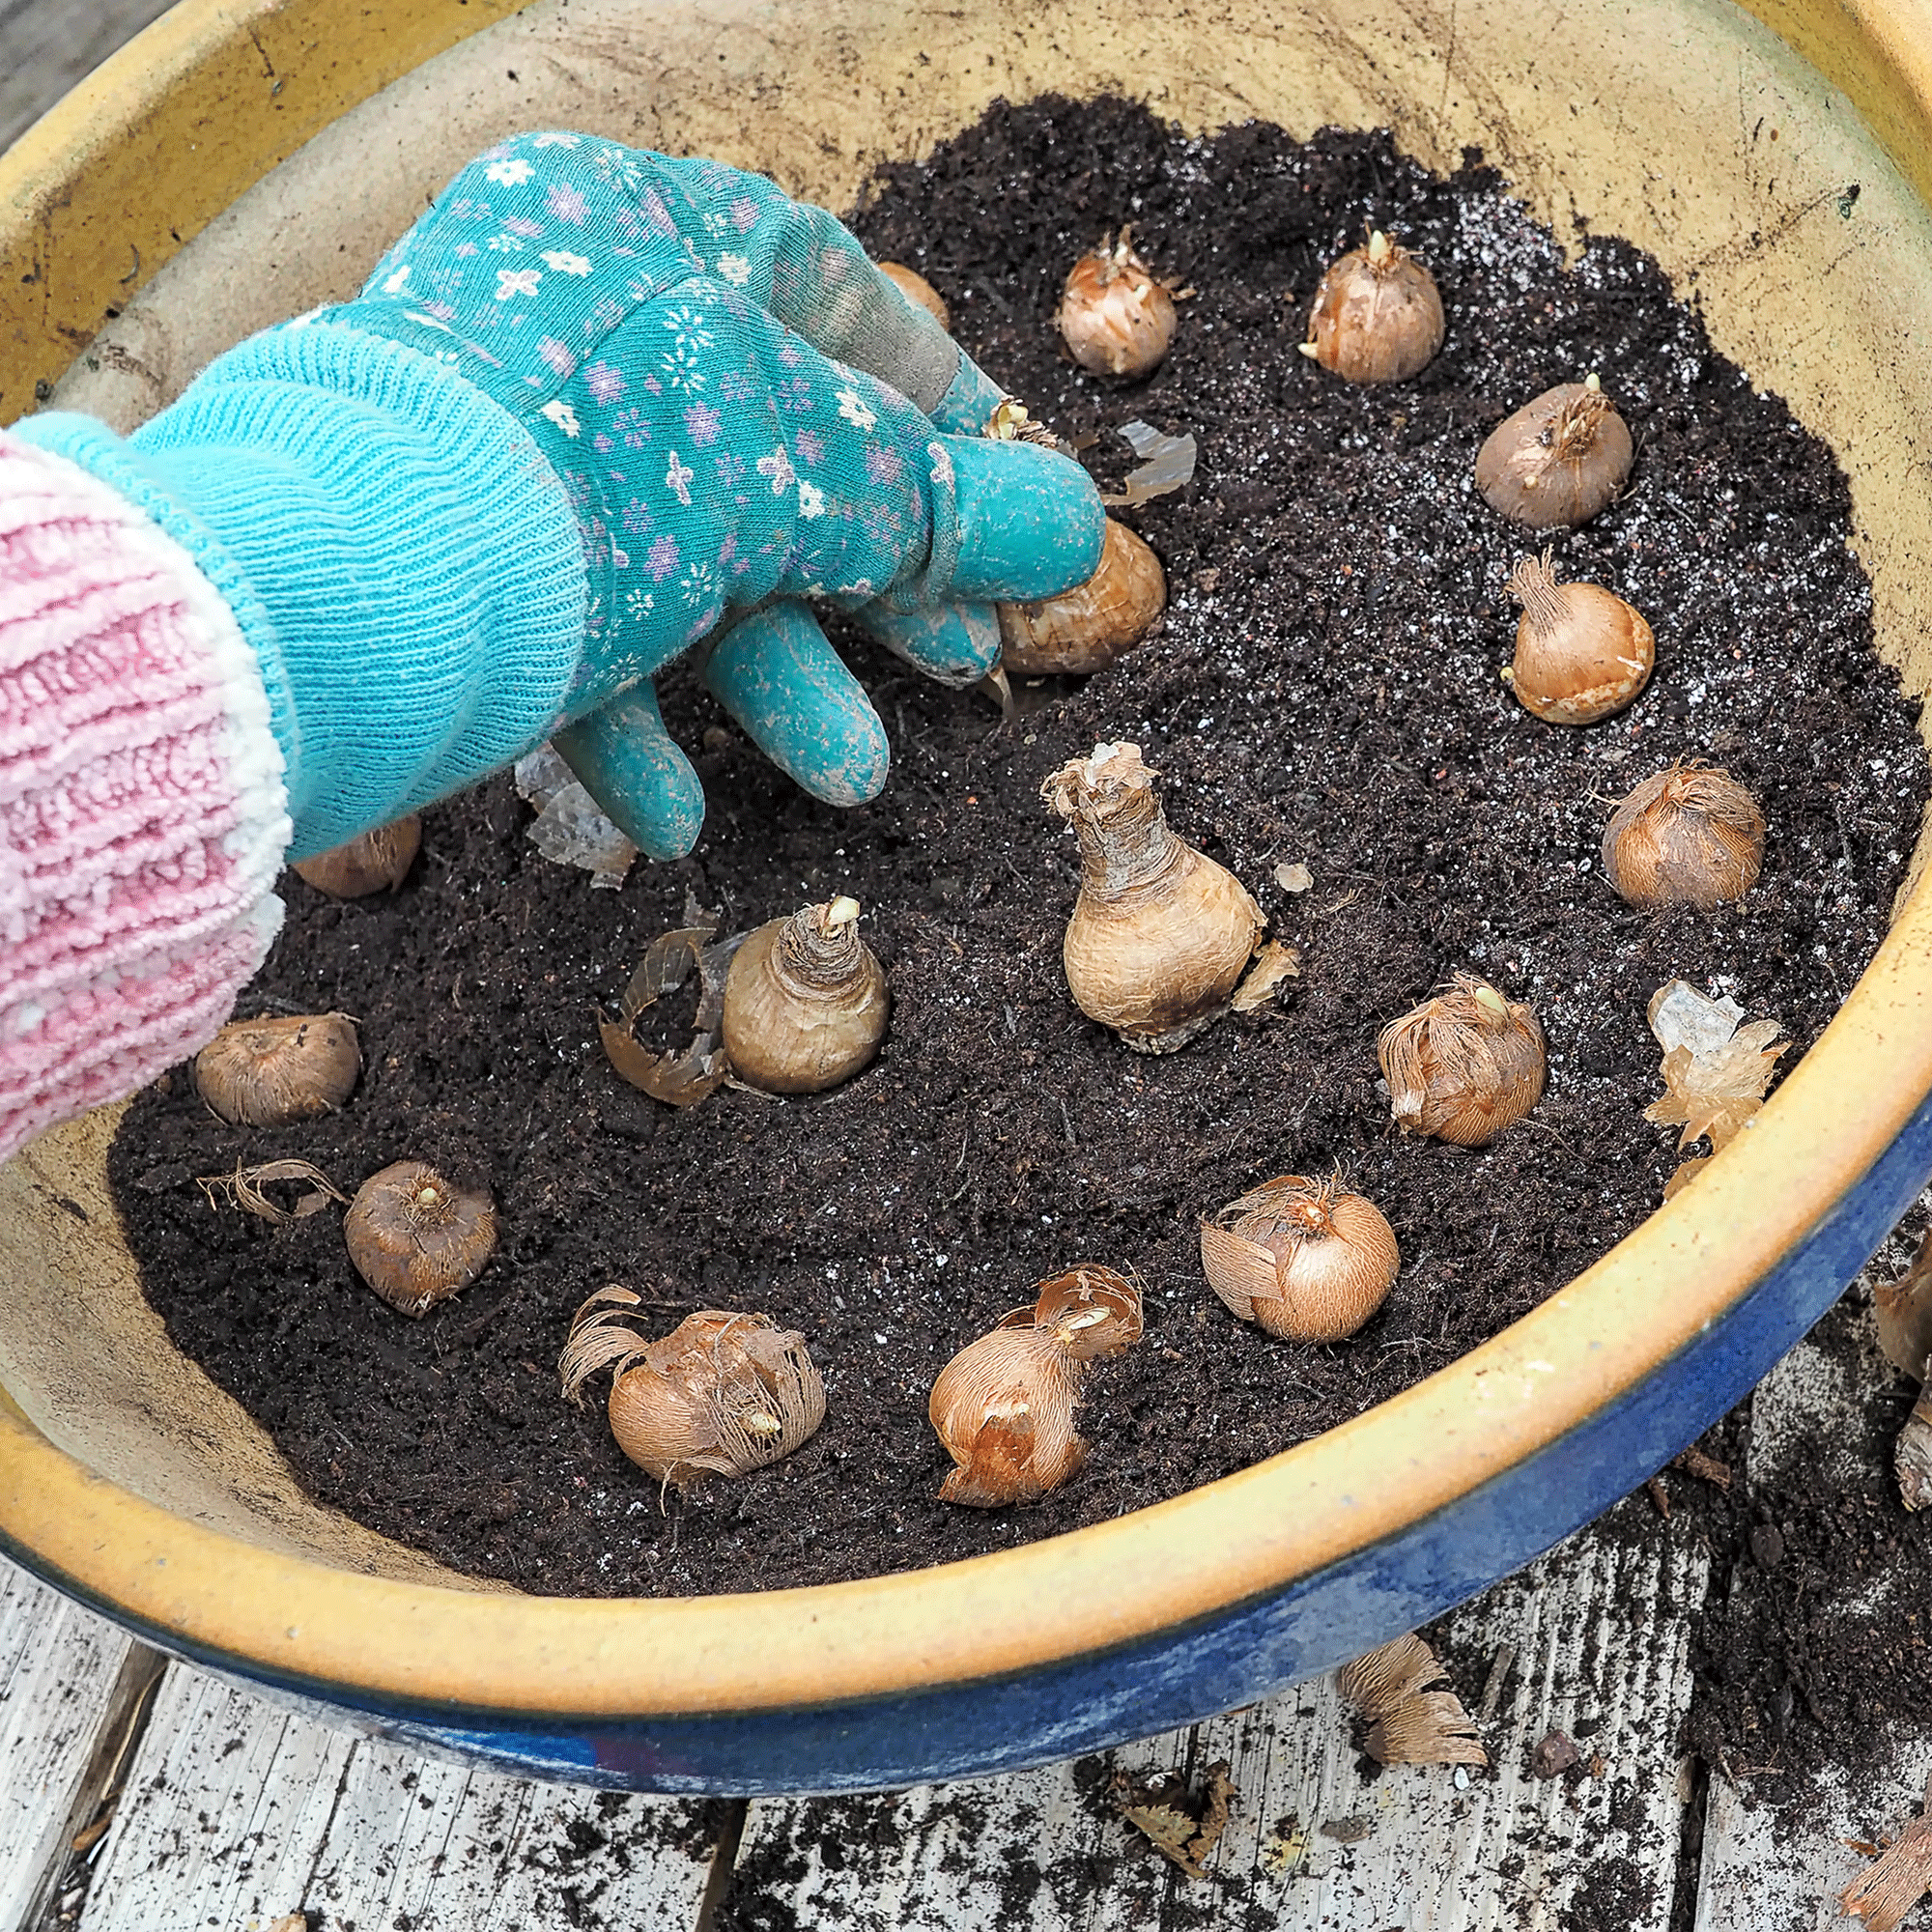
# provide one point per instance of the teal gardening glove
(596, 409)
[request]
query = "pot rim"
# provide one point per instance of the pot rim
(1172, 1564)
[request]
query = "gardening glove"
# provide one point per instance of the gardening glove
(596, 408)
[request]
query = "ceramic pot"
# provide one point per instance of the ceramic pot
(224, 172)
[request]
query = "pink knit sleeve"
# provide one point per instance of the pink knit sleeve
(142, 813)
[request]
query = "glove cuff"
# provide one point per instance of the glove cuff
(399, 553)
(142, 817)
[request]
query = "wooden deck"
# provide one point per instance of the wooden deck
(139, 1795)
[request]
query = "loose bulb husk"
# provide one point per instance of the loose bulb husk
(1903, 1309)
(1582, 652)
(1159, 933)
(272, 1071)
(723, 1394)
(805, 1003)
(415, 1238)
(1464, 1064)
(1002, 1406)
(918, 291)
(367, 863)
(1116, 318)
(1688, 835)
(1559, 461)
(1085, 628)
(1305, 1259)
(1378, 314)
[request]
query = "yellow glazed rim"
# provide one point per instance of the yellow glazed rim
(131, 140)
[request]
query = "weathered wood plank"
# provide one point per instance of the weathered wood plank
(1598, 1632)
(238, 1812)
(1775, 1859)
(59, 1669)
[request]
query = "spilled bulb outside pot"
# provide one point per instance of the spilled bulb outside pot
(1688, 835)
(1378, 314)
(415, 1238)
(271, 1071)
(1464, 1064)
(805, 1003)
(1305, 1259)
(918, 291)
(1582, 652)
(1116, 318)
(1085, 628)
(1159, 933)
(723, 1394)
(1002, 1406)
(367, 863)
(1558, 460)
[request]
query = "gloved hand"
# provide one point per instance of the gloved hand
(587, 413)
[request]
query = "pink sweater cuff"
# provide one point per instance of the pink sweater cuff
(142, 813)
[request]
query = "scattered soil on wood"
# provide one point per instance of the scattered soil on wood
(1325, 690)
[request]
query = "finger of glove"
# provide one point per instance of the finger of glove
(1029, 520)
(808, 269)
(776, 673)
(640, 780)
(951, 643)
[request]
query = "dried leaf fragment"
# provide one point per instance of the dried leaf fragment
(244, 1188)
(1884, 1892)
(1183, 1818)
(683, 1078)
(1411, 1725)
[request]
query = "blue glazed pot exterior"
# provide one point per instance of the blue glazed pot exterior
(1088, 1702)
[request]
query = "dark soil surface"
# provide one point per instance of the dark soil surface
(1326, 691)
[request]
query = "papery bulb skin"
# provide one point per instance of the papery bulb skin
(418, 1238)
(805, 1003)
(1085, 628)
(1689, 835)
(723, 1394)
(918, 291)
(1557, 462)
(1306, 1260)
(1115, 316)
(371, 863)
(273, 1072)
(1159, 933)
(1378, 314)
(1582, 652)
(1463, 1065)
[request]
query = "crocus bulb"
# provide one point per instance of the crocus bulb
(1117, 320)
(1159, 933)
(1904, 1312)
(416, 1239)
(1558, 460)
(723, 1394)
(270, 1073)
(1582, 652)
(1378, 314)
(1085, 628)
(1002, 1406)
(1305, 1259)
(805, 1003)
(1689, 835)
(366, 864)
(918, 291)
(1464, 1064)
